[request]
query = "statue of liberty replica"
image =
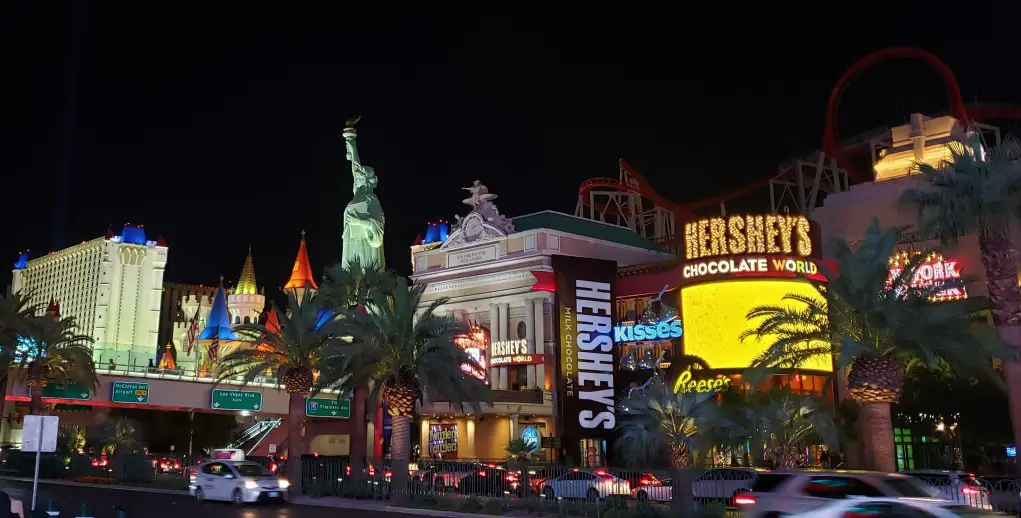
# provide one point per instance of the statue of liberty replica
(363, 217)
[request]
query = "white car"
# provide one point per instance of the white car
(235, 481)
(591, 485)
(895, 507)
(956, 486)
(781, 493)
(713, 485)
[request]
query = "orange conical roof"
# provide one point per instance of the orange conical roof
(301, 274)
(272, 323)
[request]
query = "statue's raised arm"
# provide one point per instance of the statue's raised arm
(363, 216)
(350, 134)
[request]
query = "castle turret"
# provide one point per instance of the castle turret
(301, 274)
(218, 323)
(245, 302)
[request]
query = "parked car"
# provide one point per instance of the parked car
(788, 492)
(235, 481)
(448, 474)
(1004, 492)
(956, 486)
(490, 482)
(591, 485)
(721, 484)
(895, 507)
(538, 477)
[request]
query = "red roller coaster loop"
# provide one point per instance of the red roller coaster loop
(830, 143)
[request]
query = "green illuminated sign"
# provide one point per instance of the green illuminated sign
(236, 400)
(328, 407)
(67, 391)
(130, 392)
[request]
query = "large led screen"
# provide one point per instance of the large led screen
(714, 316)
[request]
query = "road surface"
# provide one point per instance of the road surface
(156, 505)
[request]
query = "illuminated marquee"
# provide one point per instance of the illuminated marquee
(517, 359)
(475, 343)
(738, 235)
(637, 332)
(442, 439)
(685, 383)
(933, 269)
(752, 267)
(508, 347)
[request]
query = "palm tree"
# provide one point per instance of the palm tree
(117, 437)
(15, 311)
(403, 352)
(657, 423)
(783, 422)
(348, 290)
(355, 286)
(877, 326)
(52, 351)
(292, 353)
(980, 193)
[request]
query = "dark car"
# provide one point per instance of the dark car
(490, 482)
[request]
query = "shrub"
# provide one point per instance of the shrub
(714, 510)
(493, 506)
(471, 505)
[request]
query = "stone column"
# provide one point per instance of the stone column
(494, 335)
(540, 341)
(530, 336)
(423, 439)
(469, 441)
(514, 432)
(504, 335)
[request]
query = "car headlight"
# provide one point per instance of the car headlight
(284, 484)
(251, 484)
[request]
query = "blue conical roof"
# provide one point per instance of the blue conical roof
(218, 324)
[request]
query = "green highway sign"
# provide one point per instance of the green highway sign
(67, 391)
(236, 400)
(328, 407)
(130, 392)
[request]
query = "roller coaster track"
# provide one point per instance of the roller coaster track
(832, 145)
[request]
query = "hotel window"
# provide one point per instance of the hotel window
(593, 452)
(518, 377)
(904, 449)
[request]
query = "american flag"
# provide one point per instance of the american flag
(214, 347)
(193, 330)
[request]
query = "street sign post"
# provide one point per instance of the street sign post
(39, 434)
(236, 400)
(67, 391)
(328, 407)
(130, 392)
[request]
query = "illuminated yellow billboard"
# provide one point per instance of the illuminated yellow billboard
(714, 315)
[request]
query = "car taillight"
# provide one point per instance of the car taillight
(744, 500)
(482, 473)
(648, 480)
(968, 490)
(600, 472)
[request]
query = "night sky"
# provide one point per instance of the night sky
(221, 128)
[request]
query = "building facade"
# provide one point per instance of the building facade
(112, 285)
(500, 276)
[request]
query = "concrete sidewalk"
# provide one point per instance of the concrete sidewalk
(61, 482)
(375, 505)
